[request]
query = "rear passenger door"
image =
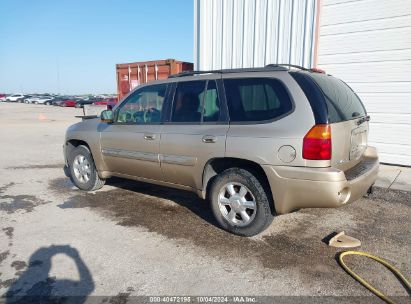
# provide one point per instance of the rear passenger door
(194, 133)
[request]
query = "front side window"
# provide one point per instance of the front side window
(144, 106)
(256, 99)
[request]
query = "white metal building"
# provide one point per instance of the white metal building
(250, 33)
(367, 43)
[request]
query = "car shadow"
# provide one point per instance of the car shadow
(186, 199)
(36, 286)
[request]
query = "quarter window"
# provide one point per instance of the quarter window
(256, 99)
(144, 106)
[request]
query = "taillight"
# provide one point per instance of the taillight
(317, 143)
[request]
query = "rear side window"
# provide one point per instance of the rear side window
(195, 103)
(187, 103)
(256, 99)
(342, 103)
(211, 110)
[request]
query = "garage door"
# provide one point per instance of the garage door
(367, 43)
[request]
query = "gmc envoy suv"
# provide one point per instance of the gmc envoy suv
(255, 142)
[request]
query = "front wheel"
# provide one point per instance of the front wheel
(83, 172)
(240, 203)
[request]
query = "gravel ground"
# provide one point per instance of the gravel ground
(133, 239)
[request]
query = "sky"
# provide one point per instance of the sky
(72, 46)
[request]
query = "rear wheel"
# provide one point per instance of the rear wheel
(83, 172)
(239, 202)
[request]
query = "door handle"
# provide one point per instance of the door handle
(149, 136)
(209, 139)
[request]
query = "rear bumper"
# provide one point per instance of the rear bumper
(303, 187)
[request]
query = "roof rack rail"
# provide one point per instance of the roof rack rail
(268, 67)
(314, 70)
(288, 65)
(271, 67)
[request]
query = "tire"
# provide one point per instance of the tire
(82, 155)
(259, 218)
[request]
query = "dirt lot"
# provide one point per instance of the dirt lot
(131, 239)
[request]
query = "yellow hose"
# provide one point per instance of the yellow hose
(377, 292)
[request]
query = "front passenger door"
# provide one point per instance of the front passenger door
(130, 146)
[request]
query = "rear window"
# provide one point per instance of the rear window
(342, 103)
(256, 99)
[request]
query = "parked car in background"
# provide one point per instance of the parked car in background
(80, 103)
(31, 99)
(3, 97)
(27, 98)
(47, 100)
(112, 101)
(58, 100)
(71, 102)
(256, 142)
(15, 98)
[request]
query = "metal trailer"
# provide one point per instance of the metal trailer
(130, 75)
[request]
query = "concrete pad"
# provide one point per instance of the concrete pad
(403, 181)
(133, 239)
(387, 175)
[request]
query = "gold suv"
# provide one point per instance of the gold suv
(255, 142)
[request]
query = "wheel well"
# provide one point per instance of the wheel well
(73, 143)
(217, 165)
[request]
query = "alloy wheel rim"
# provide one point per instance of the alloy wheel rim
(237, 204)
(81, 168)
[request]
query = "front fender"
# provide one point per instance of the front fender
(86, 132)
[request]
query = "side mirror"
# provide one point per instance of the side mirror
(107, 116)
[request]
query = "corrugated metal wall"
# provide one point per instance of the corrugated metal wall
(253, 33)
(368, 44)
